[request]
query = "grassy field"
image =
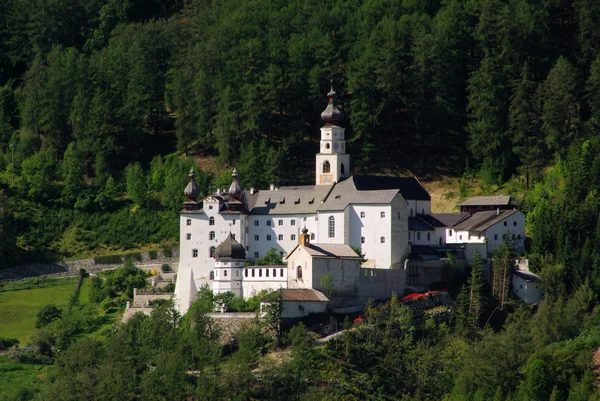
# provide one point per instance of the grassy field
(15, 376)
(19, 308)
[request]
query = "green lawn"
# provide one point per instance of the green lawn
(19, 308)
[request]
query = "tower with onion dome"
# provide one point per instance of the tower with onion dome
(333, 163)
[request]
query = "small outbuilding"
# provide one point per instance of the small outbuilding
(527, 286)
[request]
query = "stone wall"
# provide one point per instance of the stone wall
(73, 266)
(142, 297)
(230, 323)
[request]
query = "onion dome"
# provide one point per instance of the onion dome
(191, 192)
(235, 189)
(230, 249)
(332, 114)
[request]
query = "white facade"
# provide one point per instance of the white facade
(527, 289)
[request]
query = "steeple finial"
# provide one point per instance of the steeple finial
(332, 114)
(235, 190)
(191, 191)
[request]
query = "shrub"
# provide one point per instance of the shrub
(47, 315)
(168, 252)
(134, 256)
(6, 343)
(165, 268)
(108, 260)
(153, 255)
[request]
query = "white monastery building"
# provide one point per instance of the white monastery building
(388, 218)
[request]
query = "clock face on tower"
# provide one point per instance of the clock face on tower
(326, 179)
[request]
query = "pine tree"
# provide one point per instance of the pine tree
(561, 120)
(524, 125)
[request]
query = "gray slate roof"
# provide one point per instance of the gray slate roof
(329, 251)
(488, 201)
(303, 199)
(450, 219)
(417, 224)
(527, 275)
(345, 193)
(304, 295)
(481, 221)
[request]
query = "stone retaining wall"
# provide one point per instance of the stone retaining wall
(73, 266)
(231, 323)
(142, 299)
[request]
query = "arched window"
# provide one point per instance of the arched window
(342, 169)
(211, 235)
(312, 236)
(331, 227)
(299, 273)
(211, 221)
(326, 167)
(327, 146)
(211, 251)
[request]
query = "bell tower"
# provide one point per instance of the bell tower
(333, 163)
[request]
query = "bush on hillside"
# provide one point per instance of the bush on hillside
(165, 268)
(153, 255)
(108, 260)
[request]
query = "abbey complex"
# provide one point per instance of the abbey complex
(318, 228)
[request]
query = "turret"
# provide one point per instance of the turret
(191, 192)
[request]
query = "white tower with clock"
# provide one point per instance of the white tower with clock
(333, 163)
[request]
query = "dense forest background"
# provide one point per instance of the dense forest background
(105, 105)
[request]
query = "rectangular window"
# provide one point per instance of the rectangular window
(280, 237)
(382, 239)
(256, 238)
(194, 253)
(274, 272)
(256, 253)
(449, 233)
(256, 223)
(233, 235)
(418, 235)
(362, 215)
(496, 237)
(280, 222)
(362, 240)
(188, 222)
(514, 223)
(460, 237)
(382, 214)
(269, 223)
(505, 224)
(280, 272)
(293, 237)
(266, 272)
(428, 236)
(233, 222)
(304, 219)
(268, 238)
(210, 207)
(188, 236)
(225, 273)
(245, 272)
(293, 222)
(259, 272)
(237, 273)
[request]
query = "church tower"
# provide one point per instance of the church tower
(333, 163)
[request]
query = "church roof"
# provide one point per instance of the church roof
(346, 192)
(303, 199)
(409, 187)
(230, 249)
